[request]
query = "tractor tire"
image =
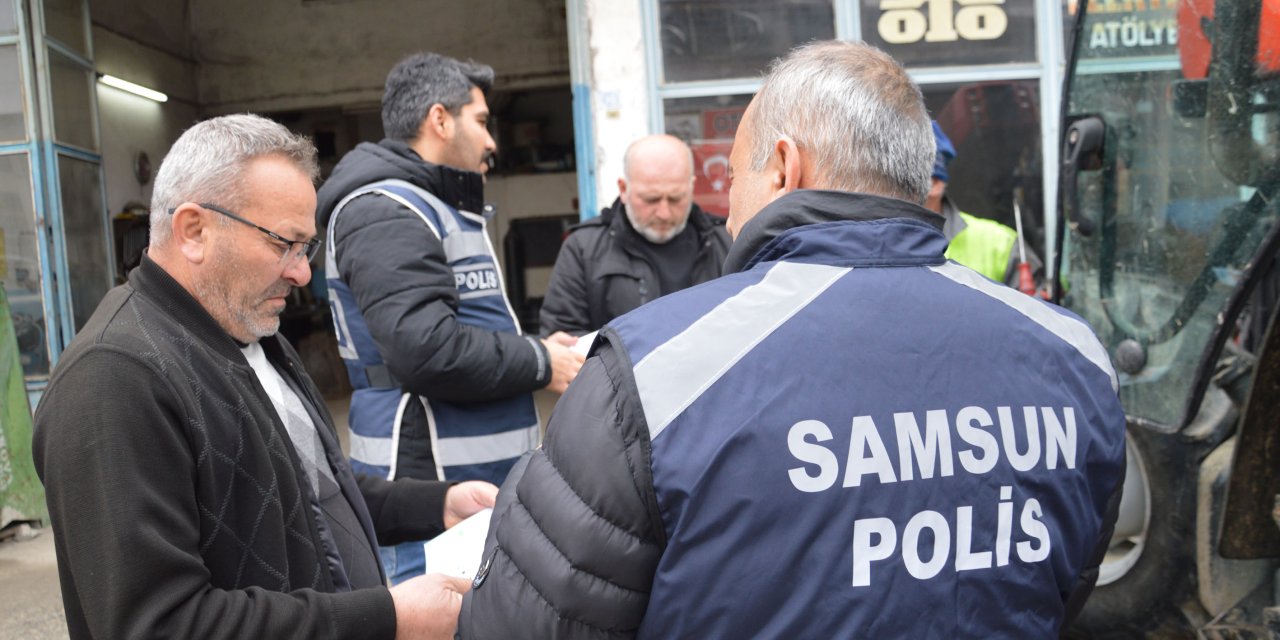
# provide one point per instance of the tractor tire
(1147, 584)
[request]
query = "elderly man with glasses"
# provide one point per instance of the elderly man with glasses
(193, 474)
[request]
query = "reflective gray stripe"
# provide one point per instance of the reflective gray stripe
(462, 245)
(465, 244)
(412, 207)
(502, 285)
(450, 225)
(374, 451)
(672, 376)
(471, 295)
(474, 217)
(395, 436)
(1069, 330)
(345, 351)
(348, 351)
(491, 448)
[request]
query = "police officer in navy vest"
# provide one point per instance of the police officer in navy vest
(443, 376)
(846, 436)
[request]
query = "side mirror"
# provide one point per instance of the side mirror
(1082, 150)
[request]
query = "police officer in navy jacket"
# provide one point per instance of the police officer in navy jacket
(846, 436)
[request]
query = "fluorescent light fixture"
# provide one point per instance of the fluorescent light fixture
(135, 89)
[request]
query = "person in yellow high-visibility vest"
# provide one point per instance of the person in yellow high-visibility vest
(984, 245)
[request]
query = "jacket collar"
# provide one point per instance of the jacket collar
(153, 282)
(463, 190)
(393, 159)
(952, 224)
(816, 222)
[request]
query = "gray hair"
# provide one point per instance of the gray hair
(207, 164)
(626, 156)
(425, 79)
(856, 109)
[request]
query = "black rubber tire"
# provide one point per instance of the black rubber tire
(1146, 598)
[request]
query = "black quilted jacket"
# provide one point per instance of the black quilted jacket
(600, 274)
(174, 491)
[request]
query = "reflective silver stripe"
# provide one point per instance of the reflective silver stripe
(346, 351)
(677, 372)
(435, 438)
(410, 206)
(447, 222)
(474, 217)
(491, 448)
(395, 436)
(471, 295)
(502, 285)
(465, 244)
(374, 451)
(1069, 330)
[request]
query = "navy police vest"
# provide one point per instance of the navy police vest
(469, 441)
(857, 439)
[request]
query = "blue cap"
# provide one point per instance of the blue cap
(945, 154)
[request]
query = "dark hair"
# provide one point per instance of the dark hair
(425, 79)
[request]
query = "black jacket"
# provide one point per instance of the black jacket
(600, 275)
(397, 270)
(178, 504)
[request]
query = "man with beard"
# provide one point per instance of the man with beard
(193, 475)
(651, 242)
(443, 377)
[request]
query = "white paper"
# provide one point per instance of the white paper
(583, 345)
(457, 551)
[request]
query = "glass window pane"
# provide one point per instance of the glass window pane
(944, 33)
(708, 125)
(73, 121)
(84, 227)
(736, 38)
(12, 92)
(1163, 231)
(995, 127)
(8, 19)
(20, 263)
(1128, 30)
(64, 21)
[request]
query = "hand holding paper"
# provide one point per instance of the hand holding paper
(457, 552)
(584, 343)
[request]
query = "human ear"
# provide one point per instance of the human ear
(439, 122)
(786, 167)
(191, 232)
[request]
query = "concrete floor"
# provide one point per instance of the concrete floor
(30, 601)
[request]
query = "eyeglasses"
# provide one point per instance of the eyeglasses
(294, 249)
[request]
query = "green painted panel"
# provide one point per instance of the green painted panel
(20, 488)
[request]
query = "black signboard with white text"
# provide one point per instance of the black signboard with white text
(1128, 28)
(947, 33)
